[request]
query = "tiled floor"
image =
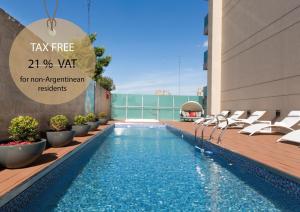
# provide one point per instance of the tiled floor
(284, 157)
(10, 178)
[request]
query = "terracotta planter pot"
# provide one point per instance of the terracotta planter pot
(18, 156)
(60, 138)
(81, 130)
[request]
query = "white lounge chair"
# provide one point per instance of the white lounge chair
(237, 114)
(211, 118)
(293, 136)
(241, 123)
(283, 126)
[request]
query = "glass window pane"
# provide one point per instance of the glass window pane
(176, 114)
(118, 113)
(118, 99)
(133, 113)
(150, 113)
(166, 101)
(180, 100)
(150, 109)
(166, 114)
(150, 100)
(134, 100)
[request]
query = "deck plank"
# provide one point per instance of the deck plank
(11, 178)
(264, 149)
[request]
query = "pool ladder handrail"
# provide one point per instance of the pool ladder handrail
(204, 126)
(196, 127)
(216, 127)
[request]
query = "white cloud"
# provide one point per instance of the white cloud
(148, 83)
(205, 44)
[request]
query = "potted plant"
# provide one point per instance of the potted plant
(59, 136)
(80, 127)
(24, 146)
(92, 122)
(102, 118)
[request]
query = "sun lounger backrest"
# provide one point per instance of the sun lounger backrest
(237, 114)
(294, 113)
(225, 113)
(255, 116)
(292, 118)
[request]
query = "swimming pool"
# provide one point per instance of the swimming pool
(142, 168)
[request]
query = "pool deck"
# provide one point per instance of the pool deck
(13, 178)
(283, 157)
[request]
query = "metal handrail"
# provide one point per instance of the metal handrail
(216, 126)
(203, 129)
(223, 130)
(202, 132)
(198, 125)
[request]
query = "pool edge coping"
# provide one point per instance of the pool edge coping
(31, 180)
(270, 168)
(274, 171)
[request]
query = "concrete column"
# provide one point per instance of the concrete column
(214, 56)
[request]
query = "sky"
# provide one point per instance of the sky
(147, 39)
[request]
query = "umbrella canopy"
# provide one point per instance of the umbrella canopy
(192, 106)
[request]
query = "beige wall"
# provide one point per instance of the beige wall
(102, 103)
(13, 102)
(214, 57)
(260, 55)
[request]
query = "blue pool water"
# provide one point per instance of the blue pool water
(151, 169)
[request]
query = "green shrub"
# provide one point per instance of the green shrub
(23, 128)
(102, 115)
(59, 122)
(79, 120)
(91, 117)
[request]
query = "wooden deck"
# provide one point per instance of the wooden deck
(284, 157)
(12, 178)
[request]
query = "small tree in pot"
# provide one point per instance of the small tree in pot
(80, 127)
(59, 122)
(23, 129)
(91, 121)
(60, 136)
(24, 146)
(102, 118)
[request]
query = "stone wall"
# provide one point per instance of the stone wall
(13, 102)
(102, 101)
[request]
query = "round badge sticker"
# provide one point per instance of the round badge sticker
(52, 65)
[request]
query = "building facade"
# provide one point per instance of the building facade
(253, 55)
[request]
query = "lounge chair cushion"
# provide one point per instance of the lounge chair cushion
(193, 114)
(184, 114)
(256, 127)
(293, 136)
(198, 114)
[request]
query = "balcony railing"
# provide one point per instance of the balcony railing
(205, 31)
(205, 60)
